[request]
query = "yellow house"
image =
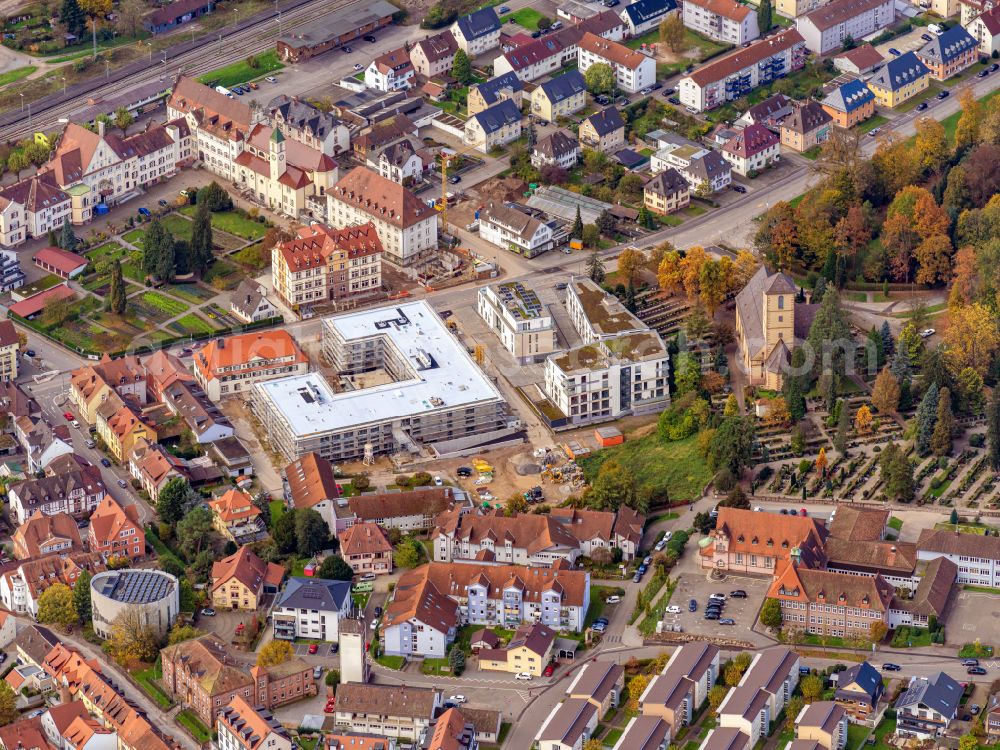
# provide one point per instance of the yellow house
(493, 91)
(120, 427)
(559, 97)
(603, 131)
(901, 78)
(765, 327)
(87, 391)
(493, 127)
(824, 723)
(530, 650)
(242, 579)
(235, 516)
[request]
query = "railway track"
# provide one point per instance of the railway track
(222, 47)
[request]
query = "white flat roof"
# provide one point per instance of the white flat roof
(446, 376)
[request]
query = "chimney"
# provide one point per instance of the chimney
(100, 128)
(222, 343)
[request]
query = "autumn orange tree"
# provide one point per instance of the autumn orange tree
(886, 392)
(863, 419)
(821, 462)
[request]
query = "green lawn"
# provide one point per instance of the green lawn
(895, 523)
(134, 237)
(17, 74)
(875, 121)
(227, 274)
(882, 731)
(147, 681)
(435, 667)
(951, 121)
(526, 17)
(232, 222)
(907, 637)
(929, 310)
(240, 72)
(192, 324)
(187, 718)
(612, 736)
(676, 468)
(178, 226)
(392, 662)
(706, 47)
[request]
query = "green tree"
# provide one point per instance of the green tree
(408, 553)
(8, 704)
(792, 710)
(968, 742)
(732, 408)
(944, 426)
(795, 387)
(195, 530)
(770, 613)
(926, 418)
(673, 33)
(200, 247)
(17, 162)
(123, 119)
(456, 660)
(970, 392)
(283, 532)
(613, 487)
(174, 500)
(830, 335)
(811, 687)
(595, 266)
(67, 239)
(688, 374)
(591, 236)
(274, 652)
(461, 68)
(576, 232)
(154, 239)
(731, 445)
(335, 568)
(72, 18)
(55, 606)
(96, 9)
(993, 430)
(716, 695)
(215, 197)
(311, 532)
(180, 633)
(764, 16)
(600, 79)
(117, 300)
(81, 596)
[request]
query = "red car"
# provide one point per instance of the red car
(69, 417)
(549, 669)
(330, 706)
(313, 648)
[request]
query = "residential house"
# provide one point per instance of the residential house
(826, 27)
(102, 168)
(595, 529)
(31, 207)
(679, 691)
(529, 650)
(492, 537)
(768, 322)
(494, 127)
(239, 726)
(704, 169)
(311, 608)
(76, 491)
(400, 162)
(478, 32)
(725, 21)
(900, 79)
(667, 192)
(203, 676)
(59, 262)
(21, 586)
(236, 517)
(770, 113)
(752, 150)
(249, 303)
(453, 732)
(736, 74)
(949, 53)
(825, 603)
(33, 643)
(633, 70)
(41, 442)
(366, 548)
(403, 712)
(303, 123)
(44, 535)
(646, 15)
(424, 614)
(206, 421)
(600, 683)
(241, 580)
(762, 693)
(824, 723)
(56, 723)
(410, 510)
(26, 733)
(517, 317)
(380, 134)
(310, 482)
(406, 226)
(120, 425)
(500, 87)
(858, 60)
(231, 365)
(993, 723)
(569, 726)
(744, 541)
(859, 690)
(8, 629)
(977, 557)
(559, 97)
(506, 226)
(927, 707)
(985, 28)
(644, 733)
(323, 265)
(91, 384)
(115, 531)
(557, 149)
(970, 9)
(391, 71)
(849, 104)
(434, 55)
(154, 466)
(603, 131)
(806, 127)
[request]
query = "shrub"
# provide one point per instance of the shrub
(978, 440)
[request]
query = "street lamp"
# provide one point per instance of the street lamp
(149, 44)
(64, 84)
(22, 101)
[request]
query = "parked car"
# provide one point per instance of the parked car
(983, 73)
(922, 106)
(660, 545)
(145, 211)
(30, 352)
(673, 100)
(976, 670)
(693, 605)
(943, 95)
(105, 463)
(637, 577)
(673, 609)
(890, 667)
(317, 672)
(455, 179)
(369, 38)
(91, 444)
(464, 471)
(378, 611)
(926, 37)
(646, 91)
(331, 706)
(873, 132)
(622, 101)
(727, 621)
(208, 612)
(76, 424)
(894, 51)
(271, 79)
(347, 49)
(804, 671)
(719, 597)
(523, 676)
(68, 416)
(738, 594)
(459, 699)
(614, 599)
(503, 9)
(611, 3)
(438, 482)
(122, 483)
(927, 333)
(970, 662)
(163, 203)
(598, 627)
(711, 615)
(549, 669)
(561, 286)
(357, 66)
(736, 188)
(669, 90)
(648, 560)
(313, 648)
(253, 85)
(994, 67)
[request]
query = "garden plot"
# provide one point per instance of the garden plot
(193, 293)
(157, 307)
(232, 222)
(224, 275)
(192, 324)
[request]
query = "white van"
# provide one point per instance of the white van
(225, 92)
(935, 29)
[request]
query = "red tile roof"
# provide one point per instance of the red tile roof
(35, 304)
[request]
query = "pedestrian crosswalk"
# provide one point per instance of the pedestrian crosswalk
(612, 639)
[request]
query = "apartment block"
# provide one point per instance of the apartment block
(633, 70)
(725, 21)
(229, 366)
(518, 318)
(513, 228)
(825, 28)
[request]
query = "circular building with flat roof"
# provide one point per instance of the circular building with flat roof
(152, 593)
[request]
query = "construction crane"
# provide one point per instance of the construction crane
(445, 161)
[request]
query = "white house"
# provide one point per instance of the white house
(311, 608)
(493, 127)
(556, 150)
(766, 687)
(478, 32)
(250, 304)
(31, 207)
(697, 164)
(977, 557)
(392, 71)
(826, 28)
(986, 29)
(751, 150)
(240, 726)
(723, 20)
(510, 228)
(633, 70)
(645, 15)
(927, 707)
(517, 317)
(398, 162)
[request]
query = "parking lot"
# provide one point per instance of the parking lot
(742, 611)
(322, 649)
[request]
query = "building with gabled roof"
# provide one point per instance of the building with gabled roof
(569, 726)
(24, 734)
(236, 517)
(823, 723)
(859, 60)
(603, 131)
(762, 693)
(249, 302)
(240, 726)
(976, 557)
(532, 60)
(391, 71)
(508, 226)
(500, 87)
(557, 149)
(21, 587)
(645, 15)
(31, 207)
(230, 365)
(644, 733)
(45, 534)
(725, 21)
(600, 528)
(633, 70)
(849, 104)
(930, 600)
(900, 79)
(927, 706)
(366, 548)
(75, 491)
(477, 32)
(241, 580)
(826, 27)
(560, 96)
(751, 150)
(62, 263)
(219, 123)
(859, 690)
(985, 28)
(682, 686)
(529, 650)
(300, 121)
(115, 530)
(294, 612)
(949, 53)
(493, 127)
(434, 55)
(400, 711)
(745, 541)
(806, 127)
(599, 682)
(453, 732)
(666, 192)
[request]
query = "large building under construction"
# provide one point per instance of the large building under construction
(405, 383)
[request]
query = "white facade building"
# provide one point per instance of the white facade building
(517, 317)
(510, 228)
(826, 28)
(311, 608)
(723, 20)
(633, 70)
